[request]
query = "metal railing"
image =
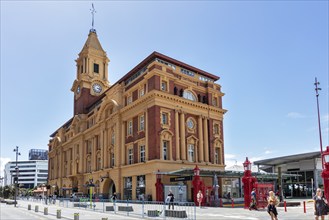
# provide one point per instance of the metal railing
(135, 208)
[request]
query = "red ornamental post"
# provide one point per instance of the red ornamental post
(159, 188)
(196, 183)
(248, 183)
(325, 172)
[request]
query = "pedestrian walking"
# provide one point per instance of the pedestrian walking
(114, 197)
(320, 207)
(253, 203)
(199, 198)
(171, 198)
(271, 207)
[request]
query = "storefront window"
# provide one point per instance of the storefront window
(140, 189)
(128, 188)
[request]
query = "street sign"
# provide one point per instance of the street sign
(180, 178)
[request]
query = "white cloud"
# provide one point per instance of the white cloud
(3, 162)
(229, 156)
(268, 152)
(295, 115)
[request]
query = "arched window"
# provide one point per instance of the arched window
(189, 95)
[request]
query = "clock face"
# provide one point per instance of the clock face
(78, 90)
(97, 88)
(190, 124)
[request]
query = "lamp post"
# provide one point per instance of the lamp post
(16, 173)
(248, 183)
(318, 109)
(159, 188)
(197, 183)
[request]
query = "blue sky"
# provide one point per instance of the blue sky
(266, 53)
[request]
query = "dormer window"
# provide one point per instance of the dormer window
(96, 68)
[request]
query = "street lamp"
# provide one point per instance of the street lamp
(248, 183)
(317, 105)
(16, 173)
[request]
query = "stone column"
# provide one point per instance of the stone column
(177, 135)
(206, 146)
(93, 154)
(103, 144)
(201, 156)
(182, 136)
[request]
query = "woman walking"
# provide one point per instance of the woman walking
(319, 205)
(271, 209)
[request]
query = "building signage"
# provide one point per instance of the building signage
(180, 178)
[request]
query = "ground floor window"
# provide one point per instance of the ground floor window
(127, 191)
(140, 188)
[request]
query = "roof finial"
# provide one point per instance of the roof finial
(93, 11)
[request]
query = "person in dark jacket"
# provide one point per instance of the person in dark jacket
(171, 199)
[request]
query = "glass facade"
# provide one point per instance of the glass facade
(299, 186)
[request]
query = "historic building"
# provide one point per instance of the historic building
(162, 115)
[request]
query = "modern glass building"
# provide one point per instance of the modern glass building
(306, 167)
(30, 173)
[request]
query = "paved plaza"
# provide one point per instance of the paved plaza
(207, 213)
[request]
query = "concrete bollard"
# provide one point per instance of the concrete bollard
(28, 207)
(76, 216)
(45, 210)
(59, 213)
(36, 208)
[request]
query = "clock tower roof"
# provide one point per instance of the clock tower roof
(92, 42)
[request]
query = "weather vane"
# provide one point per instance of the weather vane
(93, 11)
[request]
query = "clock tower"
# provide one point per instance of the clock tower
(92, 74)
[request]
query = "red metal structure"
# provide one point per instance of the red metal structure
(198, 184)
(325, 172)
(248, 183)
(262, 190)
(159, 188)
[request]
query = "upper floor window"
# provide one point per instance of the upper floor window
(187, 72)
(141, 123)
(130, 128)
(99, 162)
(112, 160)
(214, 101)
(130, 156)
(88, 165)
(113, 138)
(129, 99)
(141, 92)
(165, 145)
(189, 95)
(164, 86)
(190, 153)
(217, 156)
(216, 128)
(96, 68)
(164, 118)
(142, 153)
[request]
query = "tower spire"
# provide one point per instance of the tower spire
(93, 11)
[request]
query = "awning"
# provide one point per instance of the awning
(225, 173)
